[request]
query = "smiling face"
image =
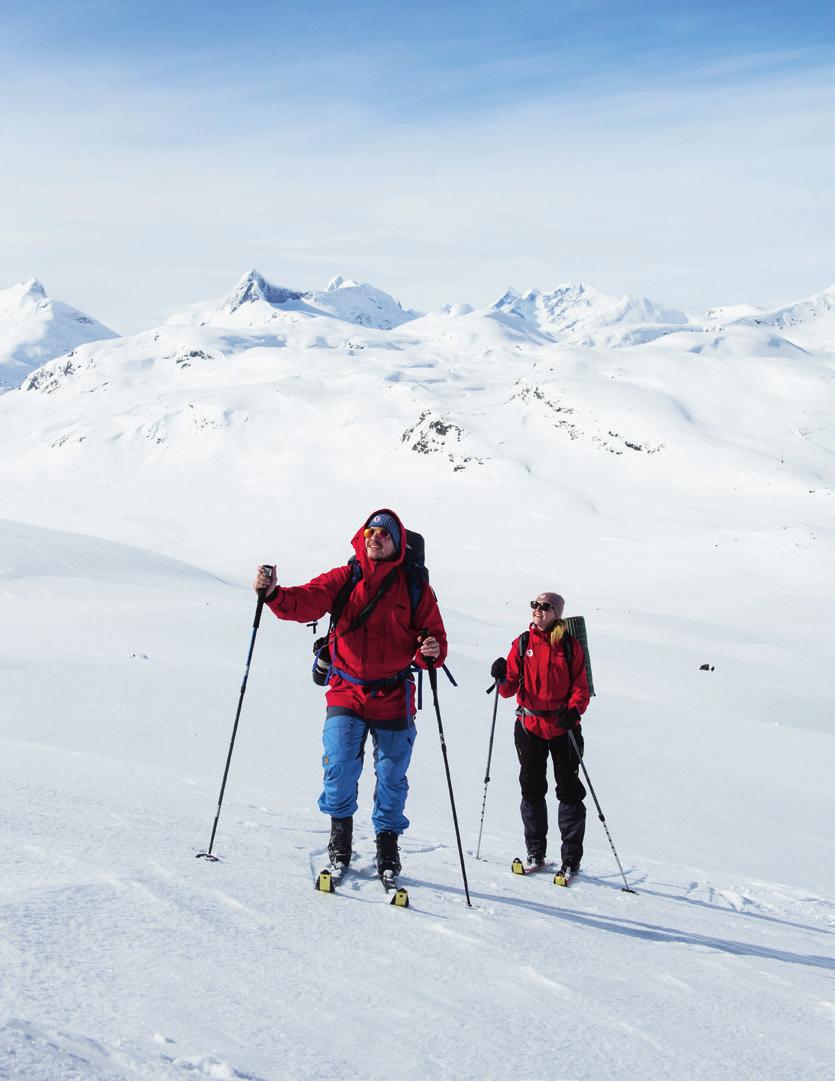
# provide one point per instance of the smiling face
(546, 610)
(378, 544)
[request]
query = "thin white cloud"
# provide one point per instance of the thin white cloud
(133, 200)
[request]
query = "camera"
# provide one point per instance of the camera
(322, 664)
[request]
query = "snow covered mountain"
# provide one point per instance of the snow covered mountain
(485, 395)
(255, 302)
(35, 328)
(810, 322)
(678, 491)
(581, 314)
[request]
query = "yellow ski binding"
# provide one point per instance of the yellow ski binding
(324, 882)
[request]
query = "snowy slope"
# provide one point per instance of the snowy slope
(35, 328)
(679, 492)
(255, 302)
(152, 964)
(728, 313)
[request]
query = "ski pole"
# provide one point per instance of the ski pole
(207, 855)
(487, 771)
(625, 888)
(433, 683)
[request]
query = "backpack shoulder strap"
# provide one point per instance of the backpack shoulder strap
(346, 590)
(523, 649)
(416, 573)
(415, 578)
(364, 614)
(568, 649)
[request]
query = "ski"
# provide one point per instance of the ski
(519, 868)
(330, 877)
(563, 877)
(399, 895)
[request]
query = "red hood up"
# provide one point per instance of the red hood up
(358, 541)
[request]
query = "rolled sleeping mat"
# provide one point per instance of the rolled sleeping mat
(576, 626)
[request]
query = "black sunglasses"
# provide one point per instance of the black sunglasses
(544, 605)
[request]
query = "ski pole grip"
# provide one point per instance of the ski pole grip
(262, 593)
(428, 661)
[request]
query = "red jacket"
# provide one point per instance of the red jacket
(548, 684)
(383, 646)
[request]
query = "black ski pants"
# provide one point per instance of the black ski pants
(534, 753)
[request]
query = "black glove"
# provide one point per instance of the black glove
(569, 718)
(498, 669)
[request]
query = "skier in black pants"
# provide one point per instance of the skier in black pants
(547, 674)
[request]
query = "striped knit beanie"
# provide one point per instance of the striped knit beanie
(389, 522)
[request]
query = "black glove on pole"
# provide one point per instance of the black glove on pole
(487, 771)
(207, 855)
(625, 888)
(498, 669)
(433, 683)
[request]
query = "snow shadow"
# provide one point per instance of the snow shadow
(652, 932)
(729, 910)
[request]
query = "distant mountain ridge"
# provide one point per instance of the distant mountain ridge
(255, 302)
(578, 314)
(809, 322)
(35, 329)
(577, 307)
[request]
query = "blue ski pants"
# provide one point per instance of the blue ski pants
(343, 746)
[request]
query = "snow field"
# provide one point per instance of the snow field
(124, 957)
(671, 476)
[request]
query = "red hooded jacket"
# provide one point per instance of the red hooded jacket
(384, 645)
(548, 684)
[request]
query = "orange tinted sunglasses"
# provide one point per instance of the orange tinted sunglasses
(376, 531)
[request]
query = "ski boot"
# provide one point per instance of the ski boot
(340, 844)
(536, 853)
(388, 854)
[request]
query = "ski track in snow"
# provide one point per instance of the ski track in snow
(134, 937)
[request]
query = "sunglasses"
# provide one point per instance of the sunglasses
(542, 605)
(376, 531)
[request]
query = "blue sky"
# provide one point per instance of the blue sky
(155, 151)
